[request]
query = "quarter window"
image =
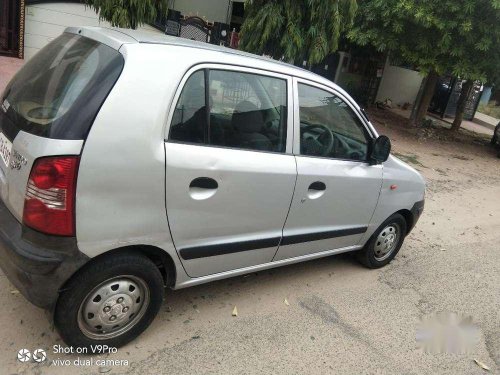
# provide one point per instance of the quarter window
(329, 127)
(190, 119)
(245, 111)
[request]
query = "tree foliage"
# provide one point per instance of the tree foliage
(295, 30)
(461, 37)
(127, 13)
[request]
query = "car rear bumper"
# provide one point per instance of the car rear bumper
(37, 265)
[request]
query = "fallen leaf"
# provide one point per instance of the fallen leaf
(14, 291)
(482, 365)
(104, 370)
(286, 302)
(235, 311)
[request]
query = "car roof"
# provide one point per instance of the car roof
(143, 36)
(116, 37)
(127, 36)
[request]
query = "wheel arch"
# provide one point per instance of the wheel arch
(159, 257)
(410, 220)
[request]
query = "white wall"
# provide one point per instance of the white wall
(399, 84)
(210, 10)
(45, 22)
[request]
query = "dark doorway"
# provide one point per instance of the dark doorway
(237, 15)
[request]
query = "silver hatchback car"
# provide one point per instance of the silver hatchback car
(131, 162)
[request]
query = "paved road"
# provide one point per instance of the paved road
(341, 317)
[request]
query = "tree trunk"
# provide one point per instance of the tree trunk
(461, 104)
(422, 105)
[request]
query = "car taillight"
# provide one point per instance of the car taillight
(49, 204)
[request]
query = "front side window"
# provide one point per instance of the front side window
(329, 127)
(239, 110)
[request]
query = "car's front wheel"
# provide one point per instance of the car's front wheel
(110, 302)
(384, 243)
(496, 135)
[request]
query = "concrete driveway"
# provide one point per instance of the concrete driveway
(340, 317)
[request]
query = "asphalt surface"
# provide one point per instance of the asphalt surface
(340, 318)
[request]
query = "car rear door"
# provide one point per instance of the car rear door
(230, 172)
(336, 194)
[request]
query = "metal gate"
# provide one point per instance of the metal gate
(11, 27)
(194, 28)
(446, 95)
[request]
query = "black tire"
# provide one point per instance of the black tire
(367, 255)
(85, 281)
(495, 139)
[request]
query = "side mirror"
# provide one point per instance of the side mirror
(381, 149)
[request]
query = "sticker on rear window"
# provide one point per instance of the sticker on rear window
(5, 105)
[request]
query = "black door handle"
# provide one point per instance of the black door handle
(318, 186)
(204, 183)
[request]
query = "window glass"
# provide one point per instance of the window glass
(329, 127)
(189, 123)
(59, 91)
(246, 111)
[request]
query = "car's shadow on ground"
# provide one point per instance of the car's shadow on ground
(271, 278)
(216, 300)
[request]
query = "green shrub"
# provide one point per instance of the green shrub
(490, 109)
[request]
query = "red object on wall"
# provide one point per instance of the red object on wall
(235, 40)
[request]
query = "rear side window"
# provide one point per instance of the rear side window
(238, 110)
(58, 92)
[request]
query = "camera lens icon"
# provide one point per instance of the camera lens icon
(39, 355)
(23, 355)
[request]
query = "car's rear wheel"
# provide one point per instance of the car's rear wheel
(110, 302)
(384, 243)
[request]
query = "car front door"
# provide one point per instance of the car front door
(230, 171)
(337, 189)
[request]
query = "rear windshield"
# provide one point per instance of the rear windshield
(58, 93)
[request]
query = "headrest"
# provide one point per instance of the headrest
(247, 118)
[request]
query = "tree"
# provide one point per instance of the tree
(434, 36)
(477, 50)
(127, 13)
(465, 91)
(295, 30)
